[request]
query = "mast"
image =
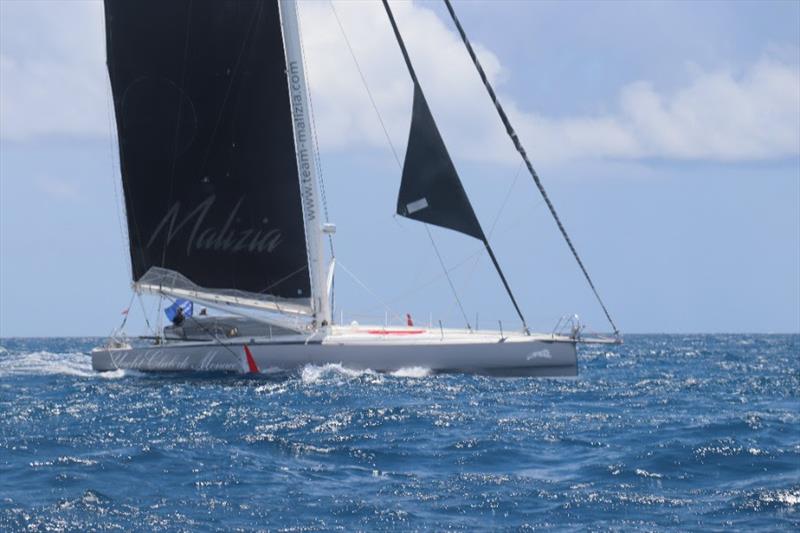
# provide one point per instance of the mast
(306, 162)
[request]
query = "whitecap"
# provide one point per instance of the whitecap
(411, 372)
(789, 497)
(645, 473)
(44, 363)
(314, 373)
(271, 388)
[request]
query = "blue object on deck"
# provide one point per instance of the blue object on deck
(186, 305)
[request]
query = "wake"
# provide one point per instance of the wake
(79, 365)
(44, 363)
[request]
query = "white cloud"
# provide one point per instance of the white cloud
(755, 115)
(717, 116)
(53, 82)
(52, 70)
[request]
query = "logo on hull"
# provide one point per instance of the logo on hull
(541, 354)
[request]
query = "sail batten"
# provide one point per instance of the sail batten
(207, 153)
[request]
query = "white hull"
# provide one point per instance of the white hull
(363, 348)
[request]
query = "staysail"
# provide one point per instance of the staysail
(207, 152)
(430, 190)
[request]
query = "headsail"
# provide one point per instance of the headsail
(430, 190)
(206, 147)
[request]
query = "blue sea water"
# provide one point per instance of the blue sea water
(697, 432)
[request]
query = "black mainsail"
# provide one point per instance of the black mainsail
(206, 144)
(430, 189)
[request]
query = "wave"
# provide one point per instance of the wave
(314, 373)
(789, 497)
(412, 372)
(44, 363)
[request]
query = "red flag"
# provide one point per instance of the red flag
(125, 311)
(409, 320)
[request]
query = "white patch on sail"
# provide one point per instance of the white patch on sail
(416, 205)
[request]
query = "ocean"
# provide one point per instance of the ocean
(667, 432)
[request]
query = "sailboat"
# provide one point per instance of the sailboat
(222, 199)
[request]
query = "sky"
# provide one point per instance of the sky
(666, 133)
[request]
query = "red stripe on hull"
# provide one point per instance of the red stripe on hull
(251, 363)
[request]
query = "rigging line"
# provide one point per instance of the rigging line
(447, 275)
(518, 145)
(122, 167)
(178, 119)
(286, 277)
(144, 313)
(313, 127)
(505, 284)
(505, 200)
(437, 277)
(127, 312)
(496, 220)
(401, 44)
(478, 256)
(119, 208)
(366, 85)
(482, 237)
(370, 291)
(471, 273)
(157, 329)
(413, 75)
(386, 131)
